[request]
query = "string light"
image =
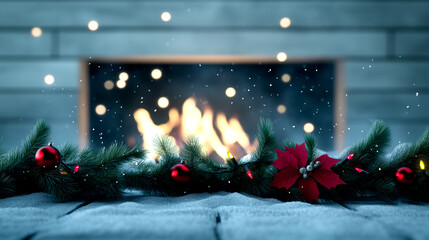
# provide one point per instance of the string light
(248, 172)
(36, 32)
(49, 79)
(100, 109)
(308, 128)
(123, 76)
(163, 102)
(121, 84)
(165, 16)
(285, 22)
(109, 85)
(230, 92)
(285, 78)
(232, 158)
(422, 165)
(281, 109)
(156, 74)
(93, 25)
(76, 169)
(281, 56)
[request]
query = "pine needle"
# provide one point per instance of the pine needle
(165, 147)
(310, 143)
(192, 149)
(266, 141)
(118, 153)
(369, 151)
(37, 139)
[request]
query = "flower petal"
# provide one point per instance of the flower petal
(300, 152)
(285, 160)
(327, 178)
(309, 188)
(285, 178)
(327, 162)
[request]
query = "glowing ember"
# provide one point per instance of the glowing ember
(194, 122)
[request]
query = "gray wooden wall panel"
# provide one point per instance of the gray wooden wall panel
(12, 134)
(399, 106)
(22, 43)
(296, 44)
(31, 74)
(386, 75)
(216, 13)
(54, 107)
(412, 43)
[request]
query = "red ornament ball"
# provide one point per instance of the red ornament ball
(47, 157)
(181, 173)
(405, 175)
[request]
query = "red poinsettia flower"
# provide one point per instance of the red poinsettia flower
(290, 163)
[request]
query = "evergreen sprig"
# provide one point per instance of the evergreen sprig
(310, 143)
(370, 150)
(266, 141)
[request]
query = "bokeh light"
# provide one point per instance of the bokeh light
(285, 22)
(281, 56)
(156, 74)
(230, 92)
(165, 16)
(93, 25)
(281, 109)
(123, 76)
(286, 78)
(100, 109)
(109, 85)
(308, 127)
(121, 84)
(36, 32)
(163, 102)
(49, 79)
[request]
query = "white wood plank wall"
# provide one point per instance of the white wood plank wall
(384, 45)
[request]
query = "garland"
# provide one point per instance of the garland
(289, 173)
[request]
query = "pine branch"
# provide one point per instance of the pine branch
(18, 157)
(118, 153)
(266, 142)
(406, 155)
(70, 153)
(370, 150)
(289, 143)
(63, 187)
(165, 147)
(310, 143)
(99, 175)
(192, 150)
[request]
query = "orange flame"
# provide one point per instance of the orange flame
(193, 122)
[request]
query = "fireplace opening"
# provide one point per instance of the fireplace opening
(218, 100)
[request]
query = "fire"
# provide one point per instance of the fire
(194, 122)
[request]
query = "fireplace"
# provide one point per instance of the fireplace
(220, 100)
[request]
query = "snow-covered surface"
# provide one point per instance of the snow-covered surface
(208, 216)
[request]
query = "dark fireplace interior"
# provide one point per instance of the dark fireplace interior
(221, 103)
